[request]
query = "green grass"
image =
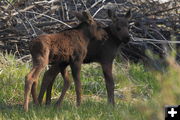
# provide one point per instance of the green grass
(140, 94)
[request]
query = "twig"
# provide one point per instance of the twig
(49, 2)
(75, 5)
(161, 36)
(50, 18)
(166, 10)
(24, 57)
(154, 40)
(98, 11)
(62, 8)
(25, 9)
(67, 11)
(84, 4)
(96, 3)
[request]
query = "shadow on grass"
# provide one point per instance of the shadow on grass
(68, 108)
(16, 111)
(89, 109)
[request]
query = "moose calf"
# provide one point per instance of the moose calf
(101, 51)
(68, 47)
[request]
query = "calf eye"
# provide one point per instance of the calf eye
(118, 28)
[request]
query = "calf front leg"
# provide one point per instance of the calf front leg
(49, 92)
(107, 71)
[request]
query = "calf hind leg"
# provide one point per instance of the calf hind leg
(28, 84)
(32, 79)
(33, 91)
(31, 85)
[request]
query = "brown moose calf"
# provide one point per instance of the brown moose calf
(101, 51)
(68, 47)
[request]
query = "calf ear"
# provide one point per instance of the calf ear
(128, 15)
(87, 16)
(111, 15)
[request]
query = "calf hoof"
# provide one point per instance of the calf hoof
(39, 101)
(57, 105)
(36, 102)
(48, 102)
(78, 104)
(26, 108)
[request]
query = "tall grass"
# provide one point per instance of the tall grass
(140, 94)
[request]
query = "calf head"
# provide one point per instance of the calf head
(119, 26)
(91, 28)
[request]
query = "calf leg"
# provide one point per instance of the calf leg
(48, 78)
(39, 63)
(65, 86)
(48, 92)
(33, 91)
(76, 68)
(28, 83)
(107, 71)
(65, 76)
(31, 84)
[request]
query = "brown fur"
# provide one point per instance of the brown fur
(103, 52)
(68, 47)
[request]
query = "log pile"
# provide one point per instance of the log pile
(22, 20)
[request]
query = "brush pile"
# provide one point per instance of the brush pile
(152, 22)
